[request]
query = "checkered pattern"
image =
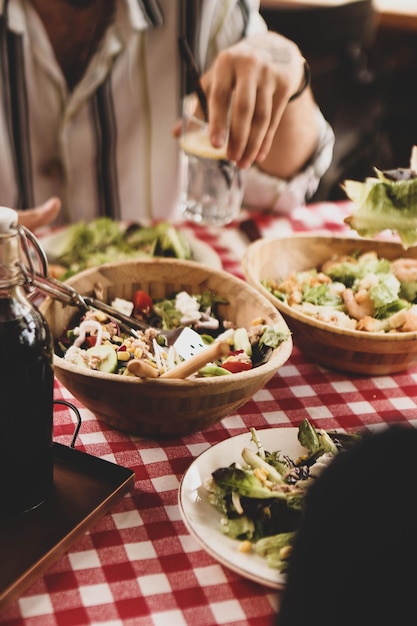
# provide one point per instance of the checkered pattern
(138, 565)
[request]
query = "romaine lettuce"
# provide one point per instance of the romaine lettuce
(381, 203)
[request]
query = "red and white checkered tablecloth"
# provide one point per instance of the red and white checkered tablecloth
(138, 565)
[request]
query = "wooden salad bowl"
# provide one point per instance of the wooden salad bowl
(161, 407)
(358, 352)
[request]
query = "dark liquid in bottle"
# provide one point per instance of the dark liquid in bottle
(26, 413)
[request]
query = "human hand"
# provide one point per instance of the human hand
(255, 79)
(41, 215)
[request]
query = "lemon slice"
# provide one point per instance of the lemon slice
(198, 143)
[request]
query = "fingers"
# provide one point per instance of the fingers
(256, 112)
(255, 83)
(41, 215)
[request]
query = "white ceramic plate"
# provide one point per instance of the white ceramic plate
(203, 520)
(203, 253)
(53, 243)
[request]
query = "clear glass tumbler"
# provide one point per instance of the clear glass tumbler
(211, 186)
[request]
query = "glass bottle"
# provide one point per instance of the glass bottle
(26, 384)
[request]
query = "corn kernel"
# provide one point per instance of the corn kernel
(245, 546)
(285, 552)
(100, 316)
(123, 355)
(258, 322)
(301, 458)
(260, 473)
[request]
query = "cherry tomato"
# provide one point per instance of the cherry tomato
(236, 366)
(142, 302)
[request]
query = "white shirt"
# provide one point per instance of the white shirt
(107, 147)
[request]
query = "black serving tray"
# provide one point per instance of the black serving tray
(85, 488)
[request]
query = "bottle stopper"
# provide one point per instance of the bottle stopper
(8, 219)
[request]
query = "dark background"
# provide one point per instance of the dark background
(364, 78)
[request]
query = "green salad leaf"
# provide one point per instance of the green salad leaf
(243, 482)
(383, 203)
(104, 240)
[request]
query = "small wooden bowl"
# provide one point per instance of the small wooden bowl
(165, 407)
(359, 352)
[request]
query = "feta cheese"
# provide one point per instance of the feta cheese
(123, 306)
(188, 306)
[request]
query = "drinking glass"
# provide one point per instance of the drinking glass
(211, 186)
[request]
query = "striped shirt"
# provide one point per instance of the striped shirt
(106, 148)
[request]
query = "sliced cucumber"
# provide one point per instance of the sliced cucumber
(107, 357)
(241, 341)
(78, 360)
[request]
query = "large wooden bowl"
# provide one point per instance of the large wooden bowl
(354, 351)
(157, 407)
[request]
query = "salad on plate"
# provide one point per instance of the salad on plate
(261, 498)
(83, 245)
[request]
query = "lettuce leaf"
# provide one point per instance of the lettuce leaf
(104, 240)
(381, 203)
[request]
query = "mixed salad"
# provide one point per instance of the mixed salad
(360, 291)
(261, 499)
(96, 341)
(104, 240)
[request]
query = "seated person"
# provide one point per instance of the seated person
(92, 92)
(355, 554)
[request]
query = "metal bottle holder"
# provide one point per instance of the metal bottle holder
(74, 409)
(35, 282)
